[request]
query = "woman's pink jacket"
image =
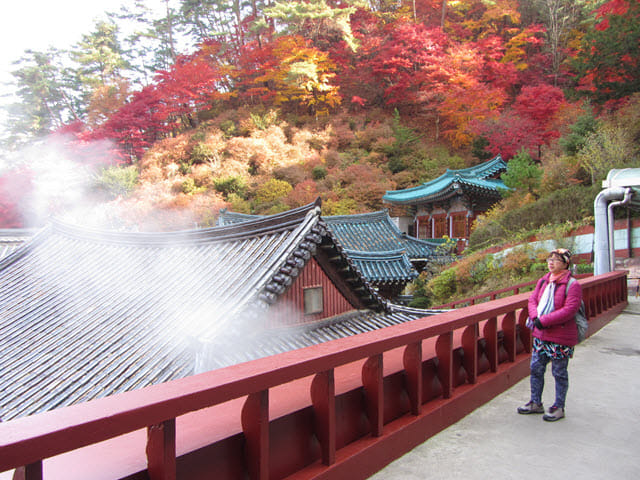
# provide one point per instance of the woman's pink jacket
(559, 325)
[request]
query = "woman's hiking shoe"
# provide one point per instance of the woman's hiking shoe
(531, 407)
(554, 414)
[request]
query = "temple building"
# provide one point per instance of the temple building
(387, 258)
(448, 205)
(88, 313)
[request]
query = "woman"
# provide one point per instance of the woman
(552, 307)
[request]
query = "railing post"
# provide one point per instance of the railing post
(490, 334)
(255, 425)
(33, 471)
(470, 348)
(444, 351)
(372, 380)
(161, 450)
(323, 397)
(412, 360)
(525, 333)
(509, 331)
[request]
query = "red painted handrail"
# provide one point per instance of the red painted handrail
(27, 441)
(514, 290)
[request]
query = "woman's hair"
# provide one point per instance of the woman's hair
(563, 254)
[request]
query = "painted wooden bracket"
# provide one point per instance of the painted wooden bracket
(255, 425)
(373, 387)
(323, 397)
(161, 450)
(412, 360)
(444, 351)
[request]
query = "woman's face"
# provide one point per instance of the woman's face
(555, 265)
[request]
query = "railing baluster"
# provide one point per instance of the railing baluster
(444, 351)
(33, 471)
(372, 378)
(255, 425)
(323, 397)
(525, 333)
(161, 450)
(412, 360)
(470, 348)
(509, 331)
(490, 334)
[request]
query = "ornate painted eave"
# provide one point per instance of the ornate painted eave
(474, 181)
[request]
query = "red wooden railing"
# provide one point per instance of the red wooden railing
(503, 292)
(412, 380)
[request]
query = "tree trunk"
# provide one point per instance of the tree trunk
(444, 12)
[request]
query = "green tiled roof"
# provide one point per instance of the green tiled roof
(371, 240)
(383, 267)
(376, 232)
(476, 179)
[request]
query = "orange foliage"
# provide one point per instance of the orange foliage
(105, 101)
(303, 193)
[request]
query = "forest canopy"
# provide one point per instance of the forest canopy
(221, 103)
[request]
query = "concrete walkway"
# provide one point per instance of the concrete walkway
(598, 439)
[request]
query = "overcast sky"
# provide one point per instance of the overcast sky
(40, 24)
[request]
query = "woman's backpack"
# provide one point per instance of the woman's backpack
(581, 316)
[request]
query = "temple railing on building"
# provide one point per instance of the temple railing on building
(342, 409)
(495, 294)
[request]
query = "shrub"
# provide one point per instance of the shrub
(117, 181)
(538, 267)
(420, 302)
(229, 128)
(231, 185)
(522, 175)
(273, 190)
(262, 122)
(201, 153)
(516, 262)
(238, 204)
(584, 268)
(443, 287)
(345, 206)
(318, 172)
(292, 174)
(571, 204)
(202, 175)
(189, 187)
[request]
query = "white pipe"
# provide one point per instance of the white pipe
(611, 229)
(601, 260)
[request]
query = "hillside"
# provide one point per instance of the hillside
(343, 100)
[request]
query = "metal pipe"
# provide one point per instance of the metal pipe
(602, 263)
(611, 229)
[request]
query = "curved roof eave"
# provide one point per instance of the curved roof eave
(432, 190)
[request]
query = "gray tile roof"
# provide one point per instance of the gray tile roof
(372, 240)
(85, 314)
(12, 238)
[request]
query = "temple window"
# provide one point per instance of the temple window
(313, 300)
